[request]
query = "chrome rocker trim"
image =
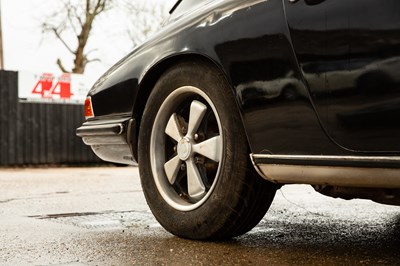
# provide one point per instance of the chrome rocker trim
(349, 171)
(109, 139)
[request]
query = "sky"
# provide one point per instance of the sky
(26, 48)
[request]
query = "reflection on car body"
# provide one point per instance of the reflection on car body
(254, 92)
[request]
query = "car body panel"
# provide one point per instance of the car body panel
(256, 51)
(349, 53)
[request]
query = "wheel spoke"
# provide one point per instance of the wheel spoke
(197, 112)
(210, 148)
(172, 168)
(196, 188)
(172, 128)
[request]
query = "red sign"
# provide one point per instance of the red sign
(47, 88)
(52, 88)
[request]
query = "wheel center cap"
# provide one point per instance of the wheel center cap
(184, 149)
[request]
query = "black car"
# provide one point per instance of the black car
(233, 99)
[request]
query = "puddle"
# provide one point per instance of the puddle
(102, 220)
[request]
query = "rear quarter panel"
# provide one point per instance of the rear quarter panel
(250, 43)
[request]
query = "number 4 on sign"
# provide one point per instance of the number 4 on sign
(63, 87)
(44, 85)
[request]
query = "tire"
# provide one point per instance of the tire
(194, 158)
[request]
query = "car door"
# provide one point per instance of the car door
(349, 54)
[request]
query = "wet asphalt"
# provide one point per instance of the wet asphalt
(98, 216)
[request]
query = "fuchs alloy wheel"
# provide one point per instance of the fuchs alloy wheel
(188, 127)
(194, 158)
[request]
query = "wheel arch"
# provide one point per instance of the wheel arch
(150, 78)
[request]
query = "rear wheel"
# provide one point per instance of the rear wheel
(194, 159)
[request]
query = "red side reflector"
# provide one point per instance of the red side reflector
(88, 108)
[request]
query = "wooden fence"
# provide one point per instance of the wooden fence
(37, 133)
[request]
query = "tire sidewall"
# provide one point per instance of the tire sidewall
(213, 214)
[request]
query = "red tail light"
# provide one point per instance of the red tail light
(88, 108)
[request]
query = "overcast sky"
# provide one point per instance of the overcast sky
(25, 47)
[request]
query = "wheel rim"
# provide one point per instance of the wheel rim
(186, 146)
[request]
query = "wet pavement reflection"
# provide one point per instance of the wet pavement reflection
(102, 219)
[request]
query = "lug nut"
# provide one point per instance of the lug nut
(183, 167)
(199, 160)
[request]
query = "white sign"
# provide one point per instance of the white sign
(50, 88)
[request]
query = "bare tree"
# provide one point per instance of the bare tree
(148, 19)
(78, 17)
(76, 20)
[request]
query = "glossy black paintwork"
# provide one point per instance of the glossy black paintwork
(349, 52)
(278, 115)
(251, 43)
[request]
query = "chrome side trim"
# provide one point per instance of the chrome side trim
(369, 174)
(100, 130)
(330, 158)
(258, 170)
(102, 140)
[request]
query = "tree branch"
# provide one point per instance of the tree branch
(54, 30)
(62, 68)
(93, 60)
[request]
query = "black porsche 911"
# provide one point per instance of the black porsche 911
(233, 99)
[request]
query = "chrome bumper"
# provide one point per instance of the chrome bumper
(110, 139)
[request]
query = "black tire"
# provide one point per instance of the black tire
(232, 198)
